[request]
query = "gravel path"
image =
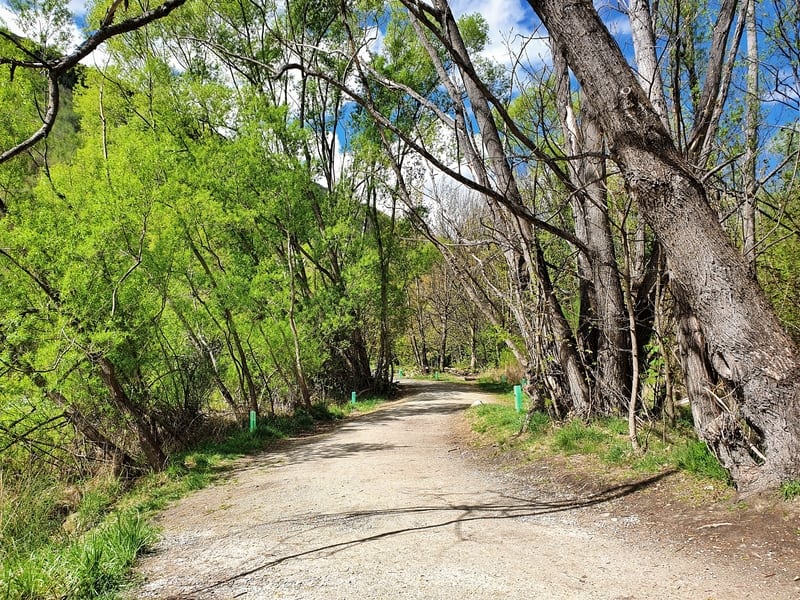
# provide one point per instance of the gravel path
(389, 506)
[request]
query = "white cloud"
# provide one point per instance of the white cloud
(78, 7)
(512, 29)
(9, 19)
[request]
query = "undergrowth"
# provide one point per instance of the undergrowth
(79, 541)
(604, 439)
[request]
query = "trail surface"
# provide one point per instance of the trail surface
(391, 505)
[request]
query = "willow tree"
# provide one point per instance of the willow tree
(54, 63)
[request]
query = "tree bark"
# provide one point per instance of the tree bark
(752, 118)
(742, 339)
(612, 349)
(148, 439)
(644, 47)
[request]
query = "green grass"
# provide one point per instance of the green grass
(605, 439)
(492, 386)
(94, 565)
(340, 411)
(497, 419)
(790, 490)
(694, 457)
(578, 438)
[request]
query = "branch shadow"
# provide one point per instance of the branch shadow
(513, 508)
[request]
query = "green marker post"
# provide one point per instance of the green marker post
(352, 397)
(518, 397)
(252, 421)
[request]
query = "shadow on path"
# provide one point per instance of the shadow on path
(420, 398)
(512, 509)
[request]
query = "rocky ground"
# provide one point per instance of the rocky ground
(401, 504)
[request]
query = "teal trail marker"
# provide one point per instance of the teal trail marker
(518, 397)
(352, 397)
(252, 421)
(399, 372)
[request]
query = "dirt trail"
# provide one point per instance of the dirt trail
(389, 506)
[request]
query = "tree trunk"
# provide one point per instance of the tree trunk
(742, 340)
(611, 353)
(123, 463)
(752, 117)
(148, 438)
(305, 394)
(644, 47)
(473, 345)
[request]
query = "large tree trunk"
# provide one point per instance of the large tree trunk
(743, 341)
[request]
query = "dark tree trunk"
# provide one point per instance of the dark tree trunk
(610, 348)
(148, 438)
(741, 341)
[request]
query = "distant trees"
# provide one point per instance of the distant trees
(572, 231)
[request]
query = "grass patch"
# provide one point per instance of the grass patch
(694, 457)
(340, 411)
(790, 490)
(498, 420)
(605, 439)
(578, 438)
(493, 386)
(94, 565)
